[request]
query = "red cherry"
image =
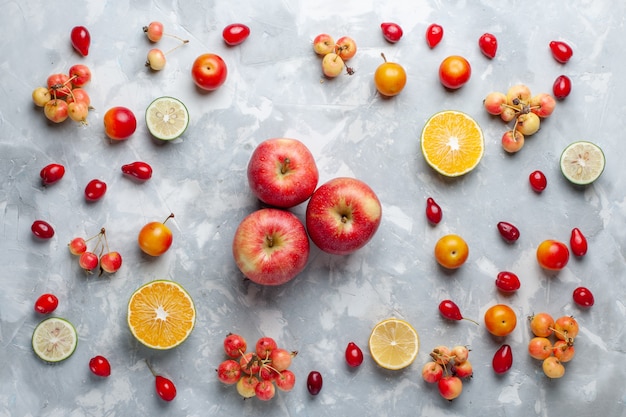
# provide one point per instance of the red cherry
(538, 181)
(46, 303)
(509, 232)
(354, 355)
(391, 31)
(314, 382)
(562, 87)
(81, 39)
(42, 229)
(578, 242)
(434, 34)
(507, 282)
(100, 366)
(450, 310)
(235, 33)
(52, 173)
(95, 190)
(561, 51)
(433, 211)
(583, 297)
(139, 170)
(488, 45)
(165, 388)
(502, 359)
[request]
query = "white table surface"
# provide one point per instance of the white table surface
(275, 88)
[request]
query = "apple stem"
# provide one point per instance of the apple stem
(270, 241)
(284, 167)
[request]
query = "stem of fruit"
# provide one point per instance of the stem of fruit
(473, 321)
(150, 368)
(284, 167)
(383, 55)
(568, 340)
(176, 47)
(168, 217)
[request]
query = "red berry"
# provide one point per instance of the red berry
(391, 31)
(561, 51)
(562, 87)
(509, 232)
(450, 310)
(81, 39)
(433, 211)
(503, 359)
(165, 388)
(354, 355)
(100, 366)
(46, 303)
(139, 170)
(507, 282)
(488, 45)
(95, 190)
(235, 33)
(578, 242)
(314, 382)
(42, 229)
(583, 297)
(52, 173)
(434, 34)
(538, 181)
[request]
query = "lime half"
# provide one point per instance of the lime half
(54, 339)
(167, 118)
(582, 162)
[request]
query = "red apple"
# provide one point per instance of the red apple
(209, 71)
(271, 246)
(282, 172)
(343, 215)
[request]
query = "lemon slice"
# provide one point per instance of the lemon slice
(167, 118)
(161, 314)
(582, 162)
(394, 344)
(54, 339)
(452, 143)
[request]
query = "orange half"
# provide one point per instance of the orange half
(161, 314)
(452, 143)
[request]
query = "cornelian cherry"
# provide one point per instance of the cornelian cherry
(578, 242)
(502, 359)
(100, 366)
(314, 382)
(165, 388)
(433, 211)
(392, 32)
(95, 190)
(81, 39)
(583, 297)
(354, 355)
(51, 173)
(138, 170)
(507, 282)
(46, 303)
(538, 181)
(235, 33)
(42, 229)
(450, 310)
(508, 231)
(562, 87)
(434, 34)
(561, 51)
(488, 45)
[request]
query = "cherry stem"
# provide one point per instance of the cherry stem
(383, 55)
(168, 217)
(473, 321)
(176, 47)
(150, 368)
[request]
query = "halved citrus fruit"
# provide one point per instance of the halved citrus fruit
(582, 162)
(394, 344)
(452, 143)
(161, 314)
(167, 118)
(54, 339)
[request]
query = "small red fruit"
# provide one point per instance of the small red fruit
(354, 355)
(100, 366)
(81, 39)
(52, 173)
(561, 51)
(95, 190)
(391, 31)
(507, 282)
(538, 181)
(434, 34)
(46, 303)
(562, 87)
(508, 231)
(433, 211)
(314, 382)
(138, 170)
(502, 359)
(583, 297)
(488, 45)
(578, 242)
(42, 229)
(235, 33)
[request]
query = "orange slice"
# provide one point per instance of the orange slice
(394, 344)
(161, 314)
(452, 143)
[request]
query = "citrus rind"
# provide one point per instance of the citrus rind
(167, 118)
(582, 162)
(54, 339)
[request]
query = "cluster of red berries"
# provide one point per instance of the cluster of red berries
(100, 255)
(256, 373)
(553, 355)
(447, 369)
(64, 97)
